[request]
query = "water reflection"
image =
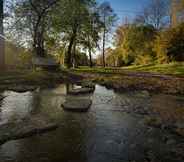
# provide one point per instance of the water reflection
(16, 106)
(104, 134)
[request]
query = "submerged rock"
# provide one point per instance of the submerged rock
(77, 105)
(83, 90)
(35, 125)
(153, 121)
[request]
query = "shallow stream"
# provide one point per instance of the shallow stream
(112, 131)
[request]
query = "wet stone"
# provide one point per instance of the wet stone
(83, 90)
(22, 89)
(77, 105)
(27, 128)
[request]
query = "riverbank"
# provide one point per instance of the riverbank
(22, 81)
(121, 80)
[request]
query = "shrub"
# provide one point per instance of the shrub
(169, 45)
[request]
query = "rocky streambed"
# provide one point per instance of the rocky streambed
(119, 127)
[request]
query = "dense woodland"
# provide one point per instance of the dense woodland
(73, 31)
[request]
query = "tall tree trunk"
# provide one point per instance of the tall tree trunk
(104, 37)
(103, 57)
(69, 53)
(90, 56)
(2, 43)
(74, 60)
(38, 37)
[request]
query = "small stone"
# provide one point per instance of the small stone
(77, 105)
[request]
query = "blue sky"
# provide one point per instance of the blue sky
(126, 8)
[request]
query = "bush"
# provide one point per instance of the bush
(136, 44)
(169, 45)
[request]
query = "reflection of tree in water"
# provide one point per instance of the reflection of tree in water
(2, 57)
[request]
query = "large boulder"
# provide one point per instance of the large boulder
(26, 128)
(77, 105)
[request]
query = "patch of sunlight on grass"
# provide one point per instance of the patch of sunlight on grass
(174, 68)
(171, 68)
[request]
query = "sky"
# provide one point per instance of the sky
(126, 8)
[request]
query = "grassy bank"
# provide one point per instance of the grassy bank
(172, 68)
(120, 79)
(169, 69)
(168, 78)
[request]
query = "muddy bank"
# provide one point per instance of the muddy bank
(31, 80)
(137, 81)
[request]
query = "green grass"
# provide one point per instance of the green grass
(171, 68)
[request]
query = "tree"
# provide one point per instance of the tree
(33, 18)
(67, 21)
(177, 12)
(134, 43)
(169, 45)
(2, 52)
(155, 14)
(73, 21)
(92, 31)
(108, 17)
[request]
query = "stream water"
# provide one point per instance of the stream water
(110, 132)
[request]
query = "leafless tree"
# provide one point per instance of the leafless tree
(155, 13)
